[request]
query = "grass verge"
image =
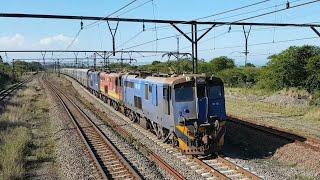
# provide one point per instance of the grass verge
(25, 117)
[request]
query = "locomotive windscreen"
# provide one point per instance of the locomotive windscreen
(215, 92)
(184, 92)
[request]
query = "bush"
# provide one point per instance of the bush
(238, 77)
(288, 68)
(313, 72)
(315, 98)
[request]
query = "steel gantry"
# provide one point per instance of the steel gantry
(194, 31)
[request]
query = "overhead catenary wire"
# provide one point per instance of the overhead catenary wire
(223, 12)
(290, 7)
(143, 28)
(233, 31)
(240, 14)
(227, 23)
(130, 39)
(256, 10)
(262, 43)
(118, 10)
(155, 24)
(236, 15)
(83, 27)
(136, 7)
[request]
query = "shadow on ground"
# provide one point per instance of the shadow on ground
(246, 143)
(9, 125)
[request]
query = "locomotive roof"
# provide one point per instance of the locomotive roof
(168, 80)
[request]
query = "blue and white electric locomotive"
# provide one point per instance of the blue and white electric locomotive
(188, 110)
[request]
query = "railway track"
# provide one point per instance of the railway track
(213, 168)
(108, 162)
(304, 141)
(5, 93)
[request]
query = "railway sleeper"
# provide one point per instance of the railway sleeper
(106, 153)
(195, 167)
(111, 161)
(200, 171)
(228, 172)
(117, 168)
(237, 175)
(115, 165)
(206, 174)
(103, 160)
(222, 168)
(124, 176)
(119, 173)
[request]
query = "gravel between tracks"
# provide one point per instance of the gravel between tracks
(146, 168)
(72, 160)
(169, 158)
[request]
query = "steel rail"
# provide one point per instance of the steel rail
(8, 91)
(153, 156)
(88, 148)
(235, 167)
(146, 151)
(224, 169)
(215, 172)
(95, 129)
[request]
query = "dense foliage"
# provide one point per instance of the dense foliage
(294, 67)
(10, 73)
(241, 76)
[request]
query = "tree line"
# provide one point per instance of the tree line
(294, 67)
(10, 73)
(297, 66)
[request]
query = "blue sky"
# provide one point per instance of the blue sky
(29, 34)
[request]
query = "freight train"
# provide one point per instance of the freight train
(185, 110)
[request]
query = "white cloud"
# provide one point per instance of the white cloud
(12, 41)
(56, 40)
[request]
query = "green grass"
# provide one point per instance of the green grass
(18, 142)
(246, 91)
(313, 114)
(303, 177)
(13, 152)
(270, 108)
(300, 119)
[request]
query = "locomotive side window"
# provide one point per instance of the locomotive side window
(215, 92)
(137, 102)
(150, 92)
(129, 84)
(146, 91)
(166, 104)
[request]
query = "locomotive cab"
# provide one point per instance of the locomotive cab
(199, 114)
